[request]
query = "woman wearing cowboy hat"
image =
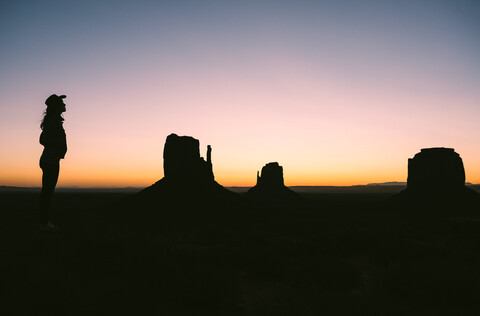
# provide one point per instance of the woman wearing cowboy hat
(54, 140)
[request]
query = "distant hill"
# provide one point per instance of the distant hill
(73, 189)
(387, 187)
(4, 188)
(475, 187)
(354, 189)
(388, 183)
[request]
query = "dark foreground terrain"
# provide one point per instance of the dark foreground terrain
(340, 252)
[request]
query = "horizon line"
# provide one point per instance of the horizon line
(392, 183)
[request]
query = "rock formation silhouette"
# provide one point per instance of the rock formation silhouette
(182, 161)
(188, 180)
(436, 170)
(270, 185)
(436, 181)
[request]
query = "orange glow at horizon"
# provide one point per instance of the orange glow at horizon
(104, 176)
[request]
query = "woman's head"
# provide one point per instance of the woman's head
(55, 107)
(55, 104)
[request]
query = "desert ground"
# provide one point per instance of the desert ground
(339, 251)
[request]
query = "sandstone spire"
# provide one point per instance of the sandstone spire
(188, 179)
(182, 161)
(270, 184)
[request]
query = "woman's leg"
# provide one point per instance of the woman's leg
(49, 181)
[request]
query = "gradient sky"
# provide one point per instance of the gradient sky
(338, 92)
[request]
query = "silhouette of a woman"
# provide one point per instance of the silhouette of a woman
(54, 140)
